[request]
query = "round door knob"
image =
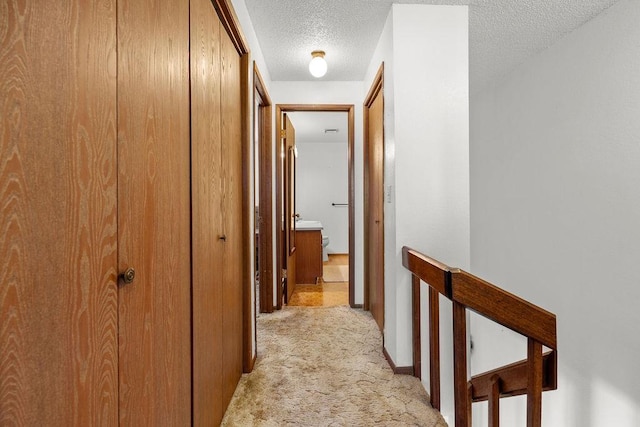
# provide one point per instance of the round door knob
(129, 275)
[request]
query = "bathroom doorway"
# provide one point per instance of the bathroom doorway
(318, 197)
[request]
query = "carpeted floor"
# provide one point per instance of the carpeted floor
(324, 367)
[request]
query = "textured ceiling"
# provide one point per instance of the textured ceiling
(502, 33)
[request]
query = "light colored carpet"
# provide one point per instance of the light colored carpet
(335, 273)
(323, 366)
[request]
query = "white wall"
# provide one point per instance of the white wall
(322, 179)
(427, 160)
(555, 204)
(333, 92)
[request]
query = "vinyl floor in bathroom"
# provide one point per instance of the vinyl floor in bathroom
(323, 294)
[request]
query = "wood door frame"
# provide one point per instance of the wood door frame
(289, 108)
(376, 87)
(265, 190)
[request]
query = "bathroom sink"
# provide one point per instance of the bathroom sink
(305, 224)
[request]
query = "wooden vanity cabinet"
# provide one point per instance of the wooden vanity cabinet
(309, 256)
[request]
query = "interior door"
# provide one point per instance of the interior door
(216, 178)
(374, 203)
(154, 212)
(232, 198)
(290, 203)
(58, 192)
(207, 223)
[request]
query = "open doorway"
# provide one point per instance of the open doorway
(263, 224)
(307, 203)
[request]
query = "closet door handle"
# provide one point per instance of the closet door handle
(223, 238)
(128, 276)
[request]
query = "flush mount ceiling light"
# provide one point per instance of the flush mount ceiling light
(318, 66)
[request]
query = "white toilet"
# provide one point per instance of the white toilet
(325, 243)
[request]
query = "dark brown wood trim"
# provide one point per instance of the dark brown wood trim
(357, 306)
(436, 274)
(504, 308)
(434, 348)
(534, 383)
(513, 379)
(398, 370)
(461, 392)
(415, 308)
(494, 401)
(532, 376)
(376, 86)
(280, 256)
(231, 24)
(352, 208)
(264, 154)
(285, 108)
(247, 207)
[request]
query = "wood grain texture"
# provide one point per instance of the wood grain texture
(352, 205)
(265, 191)
(309, 256)
(534, 383)
(58, 298)
(436, 274)
(232, 214)
(154, 212)
(207, 220)
(374, 201)
(416, 330)
(249, 332)
(460, 389)
(494, 401)
(281, 176)
(434, 348)
(290, 206)
(505, 308)
(513, 379)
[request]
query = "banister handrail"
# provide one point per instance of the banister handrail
(532, 376)
(504, 308)
(429, 270)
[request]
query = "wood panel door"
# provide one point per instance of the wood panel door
(58, 187)
(154, 212)
(232, 216)
(374, 201)
(290, 203)
(207, 222)
(217, 194)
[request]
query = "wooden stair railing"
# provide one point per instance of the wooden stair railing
(531, 376)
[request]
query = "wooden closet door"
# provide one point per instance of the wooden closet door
(231, 120)
(58, 297)
(216, 214)
(154, 212)
(207, 206)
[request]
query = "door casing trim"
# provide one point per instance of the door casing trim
(288, 108)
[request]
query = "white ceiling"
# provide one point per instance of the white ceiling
(310, 126)
(502, 33)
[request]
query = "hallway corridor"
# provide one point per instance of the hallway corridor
(323, 366)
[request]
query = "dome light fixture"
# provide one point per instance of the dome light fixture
(318, 65)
